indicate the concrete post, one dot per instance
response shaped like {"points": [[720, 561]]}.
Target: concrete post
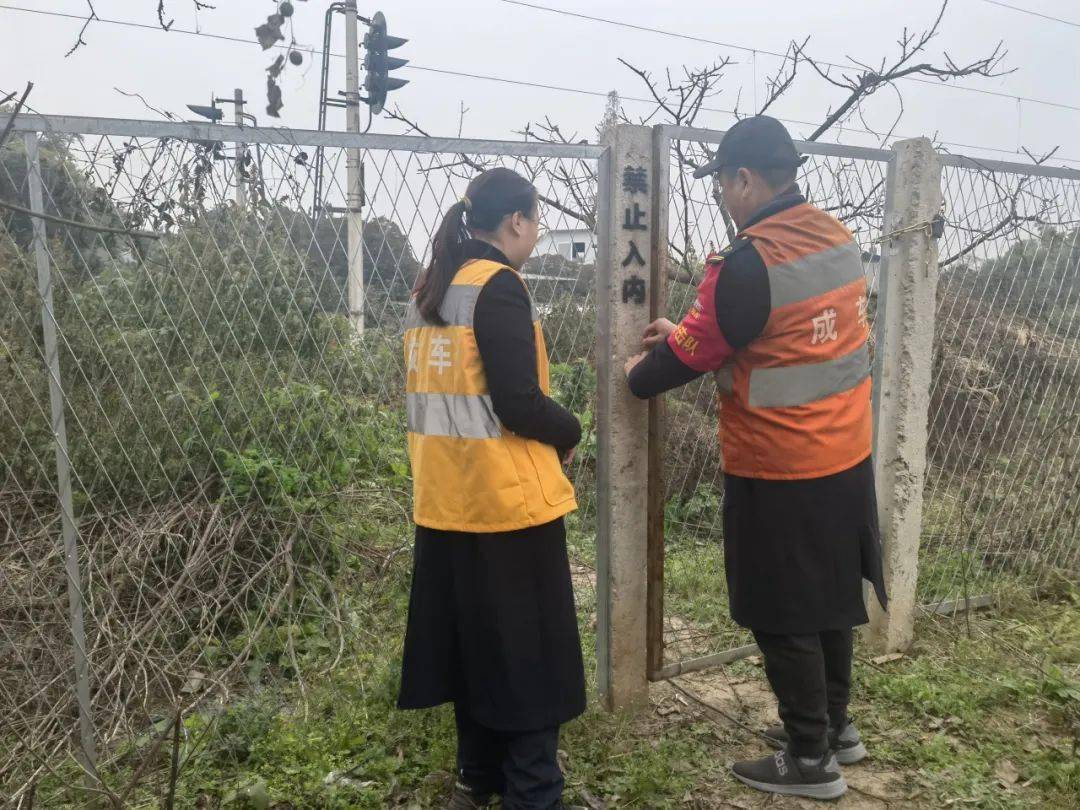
{"points": [[623, 279], [907, 302]]}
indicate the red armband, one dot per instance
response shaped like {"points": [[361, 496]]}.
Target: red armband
{"points": [[697, 341]]}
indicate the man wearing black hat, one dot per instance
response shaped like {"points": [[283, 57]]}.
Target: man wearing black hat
{"points": [[781, 319]]}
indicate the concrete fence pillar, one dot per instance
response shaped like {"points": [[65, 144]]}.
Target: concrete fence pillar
{"points": [[624, 291], [907, 303]]}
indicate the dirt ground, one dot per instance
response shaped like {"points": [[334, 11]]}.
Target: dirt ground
{"points": [[748, 700]]}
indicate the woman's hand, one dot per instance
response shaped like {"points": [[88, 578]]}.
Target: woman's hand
{"points": [[657, 332]]}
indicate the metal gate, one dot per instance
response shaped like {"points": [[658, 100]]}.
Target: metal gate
{"points": [[999, 507]]}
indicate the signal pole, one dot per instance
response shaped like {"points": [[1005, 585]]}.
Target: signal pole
{"points": [[354, 173], [241, 150], [378, 82]]}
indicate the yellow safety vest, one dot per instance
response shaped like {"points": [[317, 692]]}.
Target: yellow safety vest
{"points": [[471, 474]]}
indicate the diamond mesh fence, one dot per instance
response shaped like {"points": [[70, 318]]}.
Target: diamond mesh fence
{"points": [[1004, 452], [239, 485], [239, 481]]}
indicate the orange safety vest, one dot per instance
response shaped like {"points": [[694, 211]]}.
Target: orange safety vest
{"points": [[795, 402], [471, 474]]}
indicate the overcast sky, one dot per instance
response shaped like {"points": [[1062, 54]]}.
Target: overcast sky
{"points": [[497, 38]]}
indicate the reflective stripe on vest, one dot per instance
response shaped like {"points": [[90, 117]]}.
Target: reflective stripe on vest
{"points": [[463, 416], [456, 308], [725, 380], [786, 386], [810, 276]]}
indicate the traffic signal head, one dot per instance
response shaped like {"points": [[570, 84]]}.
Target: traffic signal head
{"points": [[378, 64], [213, 113]]}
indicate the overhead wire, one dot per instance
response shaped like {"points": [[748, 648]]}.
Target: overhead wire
{"points": [[754, 50], [1032, 13], [484, 77]]}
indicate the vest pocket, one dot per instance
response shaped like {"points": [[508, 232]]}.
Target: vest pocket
{"points": [[554, 484]]}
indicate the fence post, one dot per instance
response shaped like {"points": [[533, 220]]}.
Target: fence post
{"points": [[623, 282], [903, 359], [63, 467]]}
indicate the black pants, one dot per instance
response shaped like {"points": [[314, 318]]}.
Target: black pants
{"points": [[810, 675], [521, 766]]}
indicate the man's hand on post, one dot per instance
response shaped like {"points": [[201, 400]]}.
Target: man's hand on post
{"points": [[657, 332]]}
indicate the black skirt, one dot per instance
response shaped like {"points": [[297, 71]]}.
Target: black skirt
{"points": [[796, 552], [493, 628]]}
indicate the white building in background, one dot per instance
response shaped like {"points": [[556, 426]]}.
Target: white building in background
{"points": [[575, 244]]}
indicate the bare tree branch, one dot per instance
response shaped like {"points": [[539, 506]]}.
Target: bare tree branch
{"points": [[661, 103], [859, 86], [868, 206], [781, 81], [71, 223], [682, 101], [164, 113], [1038, 161], [14, 113], [1013, 220], [461, 120], [883, 138], [79, 40], [586, 217], [161, 16], [578, 186]]}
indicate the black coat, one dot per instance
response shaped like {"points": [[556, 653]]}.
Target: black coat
{"points": [[492, 628], [796, 552]]}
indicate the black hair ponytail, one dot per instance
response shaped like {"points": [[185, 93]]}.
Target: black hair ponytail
{"points": [[445, 260], [491, 196]]}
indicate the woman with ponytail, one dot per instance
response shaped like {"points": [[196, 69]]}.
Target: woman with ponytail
{"points": [[492, 626]]}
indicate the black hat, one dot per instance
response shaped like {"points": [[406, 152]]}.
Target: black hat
{"points": [[759, 142]]}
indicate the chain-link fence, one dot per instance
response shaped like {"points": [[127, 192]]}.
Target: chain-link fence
{"points": [[1004, 451], [229, 495], [206, 462]]}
